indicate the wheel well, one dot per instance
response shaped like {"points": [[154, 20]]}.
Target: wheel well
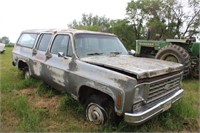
{"points": [[22, 65], [85, 92]]}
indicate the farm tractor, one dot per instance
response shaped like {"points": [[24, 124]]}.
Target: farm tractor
{"points": [[184, 51]]}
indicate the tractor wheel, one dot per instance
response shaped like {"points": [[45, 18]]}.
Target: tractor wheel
{"points": [[175, 53], [195, 69]]}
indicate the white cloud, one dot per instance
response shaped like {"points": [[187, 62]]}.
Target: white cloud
{"points": [[19, 15]]}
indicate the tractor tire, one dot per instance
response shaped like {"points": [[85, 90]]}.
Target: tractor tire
{"points": [[175, 53], [195, 69]]}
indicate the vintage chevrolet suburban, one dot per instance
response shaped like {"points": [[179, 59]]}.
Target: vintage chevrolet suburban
{"points": [[96, 69]]}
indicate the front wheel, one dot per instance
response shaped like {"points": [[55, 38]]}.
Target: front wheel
{"points": [[96, 114], [99, 110]]}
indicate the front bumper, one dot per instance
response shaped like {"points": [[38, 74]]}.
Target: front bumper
{"points": [[142, 116]]}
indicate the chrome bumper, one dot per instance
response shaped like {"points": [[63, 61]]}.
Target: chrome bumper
{"points": [[140, 117]]}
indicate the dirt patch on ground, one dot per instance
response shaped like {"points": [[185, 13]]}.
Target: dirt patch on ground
{"points": [[8, 120], [47, 103], [1, 95], [39, 101], [28, 91]]}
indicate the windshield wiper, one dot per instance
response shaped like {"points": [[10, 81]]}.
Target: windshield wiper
{"points": [[95, 54], [115, 52]]}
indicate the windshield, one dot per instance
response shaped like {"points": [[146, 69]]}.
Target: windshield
{"points": [[96, 44]]}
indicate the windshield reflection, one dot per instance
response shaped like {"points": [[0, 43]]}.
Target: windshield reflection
{"points": [[97, 44]]}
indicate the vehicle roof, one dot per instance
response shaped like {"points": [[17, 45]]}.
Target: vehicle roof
{"points": [[72, 31]]}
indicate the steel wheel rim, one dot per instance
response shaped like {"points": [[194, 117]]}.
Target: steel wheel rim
{"points": [[171, 58], [27, 75], [95, 114]]}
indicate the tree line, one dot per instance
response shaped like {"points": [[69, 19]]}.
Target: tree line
{"points": [[4, 40], [168, 18]]}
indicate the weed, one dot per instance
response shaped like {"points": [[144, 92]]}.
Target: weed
{"points": [[30, 118], [46, 90], [109, 128], [67, 102]]}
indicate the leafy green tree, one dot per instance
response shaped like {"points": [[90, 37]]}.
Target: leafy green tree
{"points": [[166, 17], [125, 32], [121, 28], [140, 12], [4, 40], [91, 22]]}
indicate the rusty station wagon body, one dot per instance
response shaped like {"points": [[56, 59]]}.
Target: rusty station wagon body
{"points": [[96, 69]]}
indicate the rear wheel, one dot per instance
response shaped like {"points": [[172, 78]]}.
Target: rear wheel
{"points": [[27, 74], [175, 53]]}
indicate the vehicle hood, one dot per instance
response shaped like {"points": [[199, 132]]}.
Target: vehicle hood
{"points": [[141, 67]]}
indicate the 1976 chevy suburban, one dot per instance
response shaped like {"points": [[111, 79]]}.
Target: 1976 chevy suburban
{"points": [[96, 69]]}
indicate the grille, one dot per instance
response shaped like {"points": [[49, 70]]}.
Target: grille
{"points": [[163, 87]]}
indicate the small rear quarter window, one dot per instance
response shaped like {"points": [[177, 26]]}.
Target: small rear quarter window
{"points": [[27, 39]]}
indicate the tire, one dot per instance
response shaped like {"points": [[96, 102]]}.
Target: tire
{"points": [[27, 74], [177, 54], [99, 110], [195, 69]]}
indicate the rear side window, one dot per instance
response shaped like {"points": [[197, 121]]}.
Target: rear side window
{"points": [[27, 40], [44, 41]]}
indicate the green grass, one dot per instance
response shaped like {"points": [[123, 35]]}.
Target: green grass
{"points": [[46, 90], [29, 118], [21, 111], [68, 102]]}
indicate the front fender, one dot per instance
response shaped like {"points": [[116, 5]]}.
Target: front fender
{"points": [[114, 84]]}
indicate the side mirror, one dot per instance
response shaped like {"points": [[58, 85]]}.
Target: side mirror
{"points": [[132, 52], [60, 54]]}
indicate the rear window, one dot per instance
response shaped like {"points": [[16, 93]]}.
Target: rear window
{"points": [[27, 40]]}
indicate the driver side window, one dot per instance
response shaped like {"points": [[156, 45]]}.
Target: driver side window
{"points": [[62, 43]]}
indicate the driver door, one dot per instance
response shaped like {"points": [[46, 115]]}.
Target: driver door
{"points": [[57, 66]]}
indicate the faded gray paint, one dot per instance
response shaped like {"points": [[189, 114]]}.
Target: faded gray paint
{"points": [[142, 67], [102, 73]]}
